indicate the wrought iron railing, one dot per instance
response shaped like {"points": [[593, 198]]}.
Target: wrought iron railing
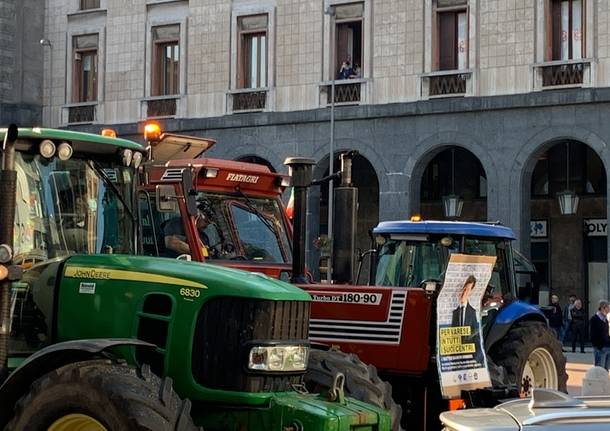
{"points": [[563, 74], [254, 100], [81, 114], [447, 85], [345, 92], [161, 108]]}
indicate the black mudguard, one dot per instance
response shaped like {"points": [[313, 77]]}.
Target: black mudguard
{"points": [[49, 359]]}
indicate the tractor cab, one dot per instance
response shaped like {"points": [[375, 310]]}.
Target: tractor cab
{"points": [[235, 218], [74, 195], [416, 254]]}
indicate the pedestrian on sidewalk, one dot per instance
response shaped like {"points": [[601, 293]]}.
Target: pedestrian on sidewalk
{"points": [[578, 325], [556, 317], [567, 319], [600, 335]]}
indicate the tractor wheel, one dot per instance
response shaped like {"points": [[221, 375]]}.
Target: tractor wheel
{"points": [[532, 357], [101, 395], [361, 380]]}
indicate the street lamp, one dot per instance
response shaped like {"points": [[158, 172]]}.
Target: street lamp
{"points": [[330, 11], [568, 199], [452, 204], [47, 42]]}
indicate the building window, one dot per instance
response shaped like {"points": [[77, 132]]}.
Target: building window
{"points": [[252, 51], [89, 4], [85, 68], [166, 60], [348, 40], [452, 35], [566, 29]]}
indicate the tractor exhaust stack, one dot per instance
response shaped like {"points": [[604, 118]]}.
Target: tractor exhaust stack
{"points": [[300, 170]]}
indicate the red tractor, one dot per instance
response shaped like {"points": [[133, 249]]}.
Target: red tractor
{"points": [[389, 320]]}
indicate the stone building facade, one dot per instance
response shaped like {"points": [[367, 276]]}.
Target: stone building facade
{"points": [[494, 101], [21, 67]]}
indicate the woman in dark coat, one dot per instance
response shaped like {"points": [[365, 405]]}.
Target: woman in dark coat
{"points": [[578, 325]]}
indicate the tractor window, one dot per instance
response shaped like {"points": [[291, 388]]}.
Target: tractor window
{"points": [[64, 207], [407, 264], [499, 288], [257, 236]]}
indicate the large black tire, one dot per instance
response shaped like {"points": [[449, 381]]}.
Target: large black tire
{"points": [[119, 397], [361, 380], [513, 351]]}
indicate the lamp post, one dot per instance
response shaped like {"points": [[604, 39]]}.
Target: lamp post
{"points": [[568, 199], [452, 204], [330, 11], [47, 42]]}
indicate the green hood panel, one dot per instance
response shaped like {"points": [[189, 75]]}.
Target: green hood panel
{"points": [[215, 279]]}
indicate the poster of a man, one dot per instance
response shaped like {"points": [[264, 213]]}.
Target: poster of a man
{"points": [[462, 363]]}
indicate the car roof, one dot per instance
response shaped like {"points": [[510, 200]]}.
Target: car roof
{"points": [[445, 228], [72, 136]]}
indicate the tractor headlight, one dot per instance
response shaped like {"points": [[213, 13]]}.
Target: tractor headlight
{"points": [[278, 358], [137, 159]]}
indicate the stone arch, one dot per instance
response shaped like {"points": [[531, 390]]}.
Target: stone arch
{"points": [[521, 176], [253, 158], [523, 167], [368, 211], [429, 147], [273, 158]]}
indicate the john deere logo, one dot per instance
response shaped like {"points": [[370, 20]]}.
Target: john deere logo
{"points": [[91, 273]]}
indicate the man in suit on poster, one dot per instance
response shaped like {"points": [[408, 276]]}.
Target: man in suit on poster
{"points": [[465, 315]]}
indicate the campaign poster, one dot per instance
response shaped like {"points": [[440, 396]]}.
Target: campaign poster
{"points": [[462, 364]]}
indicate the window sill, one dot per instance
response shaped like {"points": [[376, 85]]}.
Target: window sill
{"points": [[247, 90], [83, 12], [164, 97], [79, 104], [447, 73], [153, 2]]}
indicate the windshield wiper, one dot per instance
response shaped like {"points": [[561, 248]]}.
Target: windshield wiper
{"points": [[255, 210], [100, 171]]}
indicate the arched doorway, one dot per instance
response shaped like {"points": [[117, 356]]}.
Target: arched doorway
{"points": [[454, 171], [365, 179], [257, 160], [569, 250]]}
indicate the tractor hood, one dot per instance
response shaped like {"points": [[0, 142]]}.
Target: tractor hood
{"points": [[216, 279]]}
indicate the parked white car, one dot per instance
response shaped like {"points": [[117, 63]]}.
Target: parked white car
{"points": [[546, 410]]}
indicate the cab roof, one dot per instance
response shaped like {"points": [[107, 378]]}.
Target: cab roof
{"points": [[72, 136], [445, 228]]}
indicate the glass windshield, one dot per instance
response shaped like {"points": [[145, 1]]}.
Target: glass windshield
{"points": [[498, 288], [404, 263], [65, 207], [245, 228], [229, 227]]}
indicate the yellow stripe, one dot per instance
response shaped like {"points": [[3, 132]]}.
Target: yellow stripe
{"points": [[117, 274]]}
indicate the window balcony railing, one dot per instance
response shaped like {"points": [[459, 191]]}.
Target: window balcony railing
{"points": [[80, 113], [562, 74], [249, 99], [161, 106], [347, 91], [447, 83]]}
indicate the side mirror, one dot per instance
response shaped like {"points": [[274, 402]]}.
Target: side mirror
{"points": [[189, 193], [166, 198]]}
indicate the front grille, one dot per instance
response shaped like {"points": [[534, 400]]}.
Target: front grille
{"points": [[224, 327]]}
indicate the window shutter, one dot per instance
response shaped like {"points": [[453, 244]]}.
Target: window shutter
{"points": [[447, 41]]}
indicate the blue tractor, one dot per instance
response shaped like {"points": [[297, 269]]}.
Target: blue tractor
{"points": [[521, 348]]}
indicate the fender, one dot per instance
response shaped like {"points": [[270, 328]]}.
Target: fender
{"points": [[49, 359], [507, 317]]}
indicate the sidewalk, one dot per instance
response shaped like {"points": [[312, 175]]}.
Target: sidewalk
{"points": [[578, 364]]}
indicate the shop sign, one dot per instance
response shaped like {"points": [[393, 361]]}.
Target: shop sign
{"points": [[596, 227], [538, 229]]}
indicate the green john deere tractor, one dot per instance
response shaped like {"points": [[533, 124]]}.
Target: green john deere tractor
{"points": [[94, 338]]}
